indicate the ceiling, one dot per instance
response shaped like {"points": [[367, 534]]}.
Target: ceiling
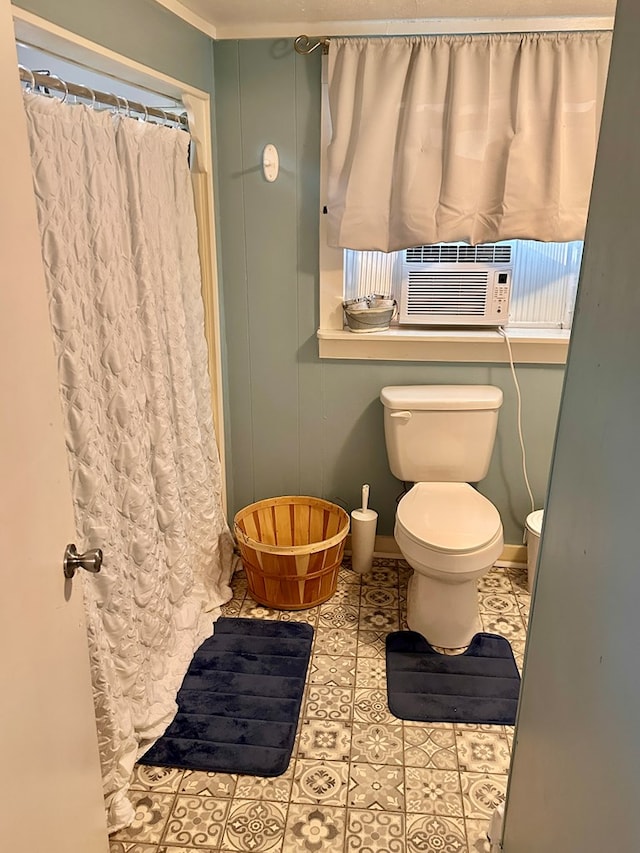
{"points": [[273, 18]]}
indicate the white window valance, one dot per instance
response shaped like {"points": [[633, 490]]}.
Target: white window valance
{"points": [[475, 138]]}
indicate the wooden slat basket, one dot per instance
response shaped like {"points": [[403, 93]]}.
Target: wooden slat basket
{"points": [[291, 549]]}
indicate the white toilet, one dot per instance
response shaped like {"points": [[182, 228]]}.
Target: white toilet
{"points": [[440, 437]]}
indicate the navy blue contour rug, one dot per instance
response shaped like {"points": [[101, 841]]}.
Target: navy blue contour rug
{"points": [[481, 685], [240, 699]]}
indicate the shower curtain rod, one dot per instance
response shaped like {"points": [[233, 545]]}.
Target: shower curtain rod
{"points": [[51, 81]]}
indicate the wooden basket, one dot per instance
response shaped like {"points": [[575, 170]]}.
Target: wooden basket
{"points": [[291, 549]]}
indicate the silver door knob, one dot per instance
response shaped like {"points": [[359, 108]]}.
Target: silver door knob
{"points": [[91, 560]]}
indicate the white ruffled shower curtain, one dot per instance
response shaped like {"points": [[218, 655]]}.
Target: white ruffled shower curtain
{"points": [[116, 214]]}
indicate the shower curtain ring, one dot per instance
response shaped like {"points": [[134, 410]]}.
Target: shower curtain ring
{"points": [[91, 94], [126, 102], [115, 108], [146, 112], [31, 82], [63, 84]]}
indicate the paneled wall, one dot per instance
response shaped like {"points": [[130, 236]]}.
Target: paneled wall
{"points": [[296, 424]]}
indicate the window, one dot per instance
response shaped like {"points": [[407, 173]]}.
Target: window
{"points": [[544, 279], [543, 276]]}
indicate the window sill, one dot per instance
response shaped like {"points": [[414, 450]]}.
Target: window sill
{"points": [[530, 346]]}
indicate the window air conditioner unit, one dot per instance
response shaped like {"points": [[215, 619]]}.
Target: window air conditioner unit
{"points": [[448, 284]]}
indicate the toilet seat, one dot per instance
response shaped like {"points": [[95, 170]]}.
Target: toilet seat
{"points": [[448, 518]]}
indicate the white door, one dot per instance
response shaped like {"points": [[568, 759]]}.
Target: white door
{"points": [[50, 786]]}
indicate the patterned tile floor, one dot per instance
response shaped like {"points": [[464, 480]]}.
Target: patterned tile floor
{"points": [[360, 780]]}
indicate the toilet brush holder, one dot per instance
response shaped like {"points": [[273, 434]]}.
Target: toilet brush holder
{"points": [[364, 523]]}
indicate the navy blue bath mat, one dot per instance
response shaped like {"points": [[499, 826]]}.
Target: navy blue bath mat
{"points": [[239, 702], [479, 686]]}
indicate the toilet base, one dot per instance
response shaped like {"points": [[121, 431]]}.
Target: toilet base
{"points": [[446, 614]]}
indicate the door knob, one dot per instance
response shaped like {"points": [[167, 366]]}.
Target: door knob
{"points": [[91, 560]]}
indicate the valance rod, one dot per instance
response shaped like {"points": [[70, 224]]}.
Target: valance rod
{"points": [[45, 80], [457, 26], [304, 47]]}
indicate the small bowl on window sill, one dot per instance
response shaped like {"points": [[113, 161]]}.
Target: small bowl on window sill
{"points": [[369, 313]]}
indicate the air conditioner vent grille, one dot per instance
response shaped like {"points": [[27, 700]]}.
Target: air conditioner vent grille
{"points": [[447, 253], [443, 293]]}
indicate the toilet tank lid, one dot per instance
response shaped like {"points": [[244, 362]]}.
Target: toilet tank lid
{"points": [[441, 397]]}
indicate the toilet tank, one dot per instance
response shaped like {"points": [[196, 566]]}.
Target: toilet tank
{"points": [[440, 433]]}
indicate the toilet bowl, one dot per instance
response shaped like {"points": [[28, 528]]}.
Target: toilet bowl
{"points": [[447, 556], [441, 437]]}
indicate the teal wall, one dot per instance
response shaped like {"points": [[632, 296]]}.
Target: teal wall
{"points": [[296, 424]]}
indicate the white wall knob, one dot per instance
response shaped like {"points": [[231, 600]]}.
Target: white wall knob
{"points": [[270, 162]]}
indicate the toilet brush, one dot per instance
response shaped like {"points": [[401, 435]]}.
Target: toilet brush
{"points": [[363, 534]]}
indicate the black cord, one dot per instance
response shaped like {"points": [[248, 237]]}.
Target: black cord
{"points": [[406, 487]]}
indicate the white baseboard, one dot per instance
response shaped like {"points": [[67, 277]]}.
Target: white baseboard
{"points": [[386, 546]]}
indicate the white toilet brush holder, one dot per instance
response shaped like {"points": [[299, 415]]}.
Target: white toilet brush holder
{"points": [[364, 523]]}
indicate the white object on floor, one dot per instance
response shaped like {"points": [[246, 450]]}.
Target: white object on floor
{"points": [[533, 531], [441, 438], [364, 522], [494, 833]]}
